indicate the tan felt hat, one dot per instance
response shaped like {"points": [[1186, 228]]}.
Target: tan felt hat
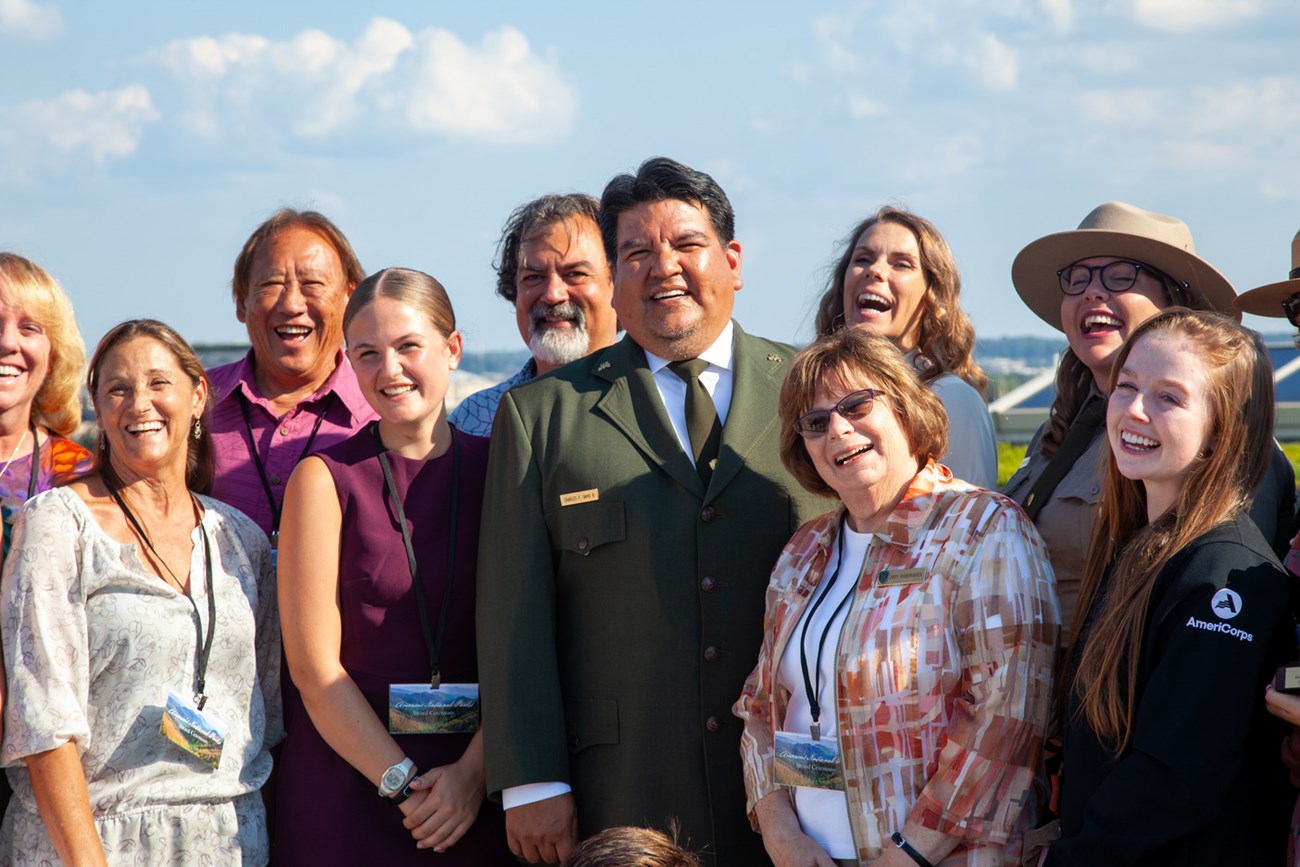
{"points": [[1128, 232], [1267, 300]]}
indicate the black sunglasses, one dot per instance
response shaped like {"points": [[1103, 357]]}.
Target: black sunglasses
{"points": [[1291, 307], [851, 407]]}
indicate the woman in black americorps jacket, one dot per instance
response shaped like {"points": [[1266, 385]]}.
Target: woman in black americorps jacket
{"points": [[1169, 757]]}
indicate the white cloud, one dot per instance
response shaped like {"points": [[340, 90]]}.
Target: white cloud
{"points": [[1182, 16], [29, 19], [74, 127], [1060, 14], [993, 62], [314, 86]]}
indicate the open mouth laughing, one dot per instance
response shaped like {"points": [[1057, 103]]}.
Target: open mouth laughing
{"points": [[874, 302], [1137, 442], [1100, 323], [841, 460]]}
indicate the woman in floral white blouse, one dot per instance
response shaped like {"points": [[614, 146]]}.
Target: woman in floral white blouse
{"points": [[140, 638], [897, 711]]}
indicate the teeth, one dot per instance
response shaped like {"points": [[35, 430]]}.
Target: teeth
{"points": [[1101, 320], [870, 300], [142, 427], [672, 293], [395, 390], [9, 370], [1132, 439], [843, 459], [292, 330]]}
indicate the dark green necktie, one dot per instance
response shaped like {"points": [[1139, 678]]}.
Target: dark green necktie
{"points": [[701, 416]]}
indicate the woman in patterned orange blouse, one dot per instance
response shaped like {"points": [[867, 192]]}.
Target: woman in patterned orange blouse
{"points": [[897, 711]]}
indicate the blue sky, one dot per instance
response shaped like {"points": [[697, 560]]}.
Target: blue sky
{"points": [[140, 142]]}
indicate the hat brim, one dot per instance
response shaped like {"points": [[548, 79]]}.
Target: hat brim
{"points": [[1033, 272], [1267, 300]]}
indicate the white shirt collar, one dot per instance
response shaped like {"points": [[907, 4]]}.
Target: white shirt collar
{"points": [[718, 354]]}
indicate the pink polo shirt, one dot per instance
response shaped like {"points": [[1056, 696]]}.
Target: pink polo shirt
{"points": [[338, 404]]}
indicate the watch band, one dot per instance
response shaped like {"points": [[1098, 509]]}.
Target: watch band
{"points": [[901, 842], [405, 792]]}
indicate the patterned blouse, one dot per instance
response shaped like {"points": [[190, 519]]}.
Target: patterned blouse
{"points": [[93, 642], [943, 686]]}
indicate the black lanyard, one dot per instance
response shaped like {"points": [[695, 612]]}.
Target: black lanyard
{"points": [[204, 646], [431, 641], [811, 689], [326, 406], [36, 459]]}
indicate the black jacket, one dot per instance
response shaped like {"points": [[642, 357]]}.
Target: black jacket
{"points": [[1201, 781]]}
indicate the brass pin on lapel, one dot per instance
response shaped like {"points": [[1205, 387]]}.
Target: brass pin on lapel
{"points": [[604, 365], [772, 356]]}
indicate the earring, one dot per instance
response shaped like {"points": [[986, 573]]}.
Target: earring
{"points": [[198, 430], [102, 443]]}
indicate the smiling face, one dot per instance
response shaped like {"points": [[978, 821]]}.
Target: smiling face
{"points": [[1159, 416], [294, 310], [402, 361], [885, 286], [675, 282], [146, 406], [24, 358], [867, 461], [1098, 321], [563, 300]]}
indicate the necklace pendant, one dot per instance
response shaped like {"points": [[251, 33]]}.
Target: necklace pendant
{"points": [[815, 730]]}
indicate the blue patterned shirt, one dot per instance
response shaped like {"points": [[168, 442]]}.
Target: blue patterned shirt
{"points": [[475, 413]]}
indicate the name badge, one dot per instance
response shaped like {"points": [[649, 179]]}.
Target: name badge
{"points": [[194, 731], [587, 496], [802, 761], [419, 709], [899, 577]]}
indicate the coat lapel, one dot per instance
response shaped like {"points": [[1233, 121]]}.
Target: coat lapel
{"points": [[633, 405], [753, 412]]}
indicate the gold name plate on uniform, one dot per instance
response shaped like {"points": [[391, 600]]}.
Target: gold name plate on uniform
{"points": [[580, 497]]}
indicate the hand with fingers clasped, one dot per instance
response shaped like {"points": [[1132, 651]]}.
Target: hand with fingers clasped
{"points": [[444, 803]]}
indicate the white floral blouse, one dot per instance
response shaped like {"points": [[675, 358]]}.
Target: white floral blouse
{"points": [[93, 642]]}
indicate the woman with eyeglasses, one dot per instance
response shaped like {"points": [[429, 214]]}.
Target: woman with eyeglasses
{"points": [[897, 711], [1096, 284]]}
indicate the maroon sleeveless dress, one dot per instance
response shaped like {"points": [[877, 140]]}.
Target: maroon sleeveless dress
{"points": [[326, 811]]}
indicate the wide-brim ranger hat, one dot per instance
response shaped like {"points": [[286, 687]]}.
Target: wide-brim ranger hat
{"points": [[1267, 300], [1127, 232]]}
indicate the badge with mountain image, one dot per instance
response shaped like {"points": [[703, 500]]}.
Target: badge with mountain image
{"points": [[802, 761], [419, 709]]}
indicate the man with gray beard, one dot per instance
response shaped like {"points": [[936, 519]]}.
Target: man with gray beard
{"points": [[551, 265]]}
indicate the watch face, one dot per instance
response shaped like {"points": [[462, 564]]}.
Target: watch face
{"points": [[393, 778]]}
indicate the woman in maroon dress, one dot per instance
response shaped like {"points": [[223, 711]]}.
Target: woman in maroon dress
{"points": [[378, 546]]}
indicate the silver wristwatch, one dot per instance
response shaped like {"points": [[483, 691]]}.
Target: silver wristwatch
{"points": [[396, 778]]}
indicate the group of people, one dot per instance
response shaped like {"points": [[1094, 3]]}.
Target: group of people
{"points": [[686, 579]]}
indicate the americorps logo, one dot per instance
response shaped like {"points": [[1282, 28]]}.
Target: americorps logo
{"points": [[1226, 604]]}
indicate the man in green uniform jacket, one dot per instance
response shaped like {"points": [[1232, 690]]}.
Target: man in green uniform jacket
{"points": [[620, 593]]}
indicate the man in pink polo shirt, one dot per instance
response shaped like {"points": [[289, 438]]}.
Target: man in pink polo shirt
{"points": [[294, 392]]}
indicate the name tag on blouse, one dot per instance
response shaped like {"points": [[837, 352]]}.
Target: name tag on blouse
{"points": [[802, 761], [419, 709], [194, 731], [899, 577]]}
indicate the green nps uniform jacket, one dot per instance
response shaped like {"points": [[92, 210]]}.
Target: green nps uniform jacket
{"points": [[620, 604]]}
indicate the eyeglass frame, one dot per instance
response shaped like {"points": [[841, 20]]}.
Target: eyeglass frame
{"points": [[838, 409], [1175, 289], [1291, 309]]}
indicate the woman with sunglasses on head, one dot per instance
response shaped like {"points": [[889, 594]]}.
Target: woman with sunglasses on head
{"points": [[1122, 266], [1169, 756], [897, 278], [897, 711]]}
